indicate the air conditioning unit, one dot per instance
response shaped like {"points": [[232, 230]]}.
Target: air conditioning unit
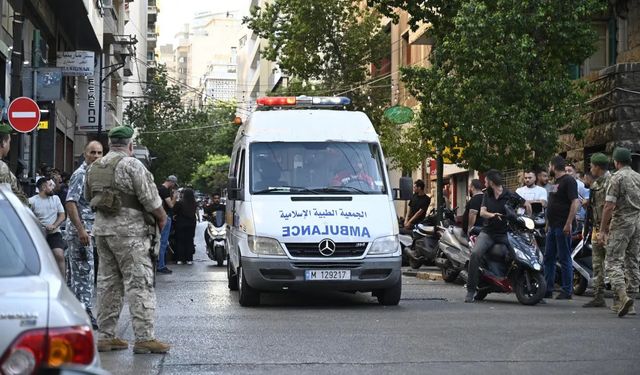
{"points": [[106, 4]]}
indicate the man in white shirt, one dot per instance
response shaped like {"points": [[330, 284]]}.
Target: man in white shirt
{"points": [[531, 192], [50, 212]]}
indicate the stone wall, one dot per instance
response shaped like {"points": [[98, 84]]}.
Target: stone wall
{"points": [[632, 49], [615, 119]]}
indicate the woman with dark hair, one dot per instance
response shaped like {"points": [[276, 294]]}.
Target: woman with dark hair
{"points": [[186, 215], [495, 228]]}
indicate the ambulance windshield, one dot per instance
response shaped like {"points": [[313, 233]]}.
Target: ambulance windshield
{"points": [[316, 168]]}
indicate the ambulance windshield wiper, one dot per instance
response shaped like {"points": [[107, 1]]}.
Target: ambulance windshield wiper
{"points": [[341, 189], [286, 189]]}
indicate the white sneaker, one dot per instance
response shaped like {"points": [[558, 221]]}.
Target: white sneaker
{"points": [[178, 262], [189, 262]]}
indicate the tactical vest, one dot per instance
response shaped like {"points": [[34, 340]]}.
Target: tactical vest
{"points": [[105, 197]]}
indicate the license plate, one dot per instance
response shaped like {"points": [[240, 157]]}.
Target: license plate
{"points": [[327, 275]]}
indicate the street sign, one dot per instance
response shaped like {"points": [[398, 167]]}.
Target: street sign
{"points": [[24, 114]]}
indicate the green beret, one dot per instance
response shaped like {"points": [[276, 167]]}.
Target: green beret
{"points": [[622, 154], [121, 132], [599, 159], [5, 129]]}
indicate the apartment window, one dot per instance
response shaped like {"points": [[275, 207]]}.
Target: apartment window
{"points": [[182, 59], [598, 60]]}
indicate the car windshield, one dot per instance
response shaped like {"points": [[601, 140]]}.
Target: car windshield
{"points": [[316, 168], [18, 254]]}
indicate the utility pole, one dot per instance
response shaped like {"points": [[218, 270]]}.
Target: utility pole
{"points": [[17, 51], [16, 76], [440, 184]]}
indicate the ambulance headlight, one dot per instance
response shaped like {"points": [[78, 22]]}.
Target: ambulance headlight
{"points": [[385, 245], [265, 246]]}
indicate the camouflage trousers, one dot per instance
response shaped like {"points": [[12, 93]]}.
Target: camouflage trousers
{"points": [[125, 269], [598, 259], [80, 272], [622, 255]]}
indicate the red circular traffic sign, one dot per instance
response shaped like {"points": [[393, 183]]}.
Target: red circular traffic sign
{"points": [[24, 114]]}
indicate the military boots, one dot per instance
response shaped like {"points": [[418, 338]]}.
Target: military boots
{"points": [[597, 301], [616, 304], [151, 346], [625, 303], [632, 310]]}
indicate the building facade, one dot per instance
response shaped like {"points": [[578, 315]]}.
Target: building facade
{"points": [[614, 72]]}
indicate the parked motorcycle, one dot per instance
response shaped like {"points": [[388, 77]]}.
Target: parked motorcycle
{"points": [[517, 268], [425, 238], [454, 252], [405, 242], [215, 238]]}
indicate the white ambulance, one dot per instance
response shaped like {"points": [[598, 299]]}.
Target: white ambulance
{"points": [[309, 203]]}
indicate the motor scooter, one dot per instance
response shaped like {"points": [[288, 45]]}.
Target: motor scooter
{"points": [[425, 236], [454, 252], [515, 268], [215, 238]]}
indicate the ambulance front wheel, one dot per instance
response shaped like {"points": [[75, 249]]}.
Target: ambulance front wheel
{"points": [[390, 296]]}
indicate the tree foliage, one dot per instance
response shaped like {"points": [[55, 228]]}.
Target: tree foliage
{"points": [[179, 138], [211, 175], [328, 48], [498, 89]]}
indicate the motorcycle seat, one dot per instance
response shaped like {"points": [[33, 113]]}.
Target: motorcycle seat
{"points": [[426, 230], [460, 236], [497, 253]]}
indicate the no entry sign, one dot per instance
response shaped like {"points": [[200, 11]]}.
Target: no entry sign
{"points": [[24, 114]]}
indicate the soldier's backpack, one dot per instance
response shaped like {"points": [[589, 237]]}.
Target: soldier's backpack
{"points": [[101, 182], [105, 197]]}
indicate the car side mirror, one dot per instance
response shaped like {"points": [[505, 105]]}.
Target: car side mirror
{"points": [[233, 191], [406, 188]]}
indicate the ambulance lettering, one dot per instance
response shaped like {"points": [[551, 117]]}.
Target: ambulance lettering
{"points": [[324, 230]]}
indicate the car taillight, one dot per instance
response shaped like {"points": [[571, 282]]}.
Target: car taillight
{"points": [[70, 345], [48, 347]]}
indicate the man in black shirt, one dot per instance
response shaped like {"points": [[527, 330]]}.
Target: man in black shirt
{"points": [[471, 216], [169, 197], [494, 231], [418, 205], [213, 206], [561, 211]]}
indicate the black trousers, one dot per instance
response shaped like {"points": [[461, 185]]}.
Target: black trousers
{"points": [[184, 235], [484, 243]]}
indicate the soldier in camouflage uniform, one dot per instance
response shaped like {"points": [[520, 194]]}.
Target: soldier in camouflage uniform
{"points": [[80, 217], [599, 163], [6, 176], [620, 230], [125, 267]]}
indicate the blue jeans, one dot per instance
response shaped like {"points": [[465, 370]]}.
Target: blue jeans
{"points": [[164, 241], [557, 248]]}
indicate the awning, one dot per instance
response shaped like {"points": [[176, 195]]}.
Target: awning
{"points": [[75, 20]]}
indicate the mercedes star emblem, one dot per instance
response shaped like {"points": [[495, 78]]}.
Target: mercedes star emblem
{"points": [[327, 247]]}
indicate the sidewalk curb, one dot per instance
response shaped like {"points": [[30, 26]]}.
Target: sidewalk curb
{"points": [[433, 276]]}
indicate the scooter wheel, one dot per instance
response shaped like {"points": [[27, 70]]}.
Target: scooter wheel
{"points": [[481, 295], [415, 264], [533, 292], [449, 274], [580, 283]]}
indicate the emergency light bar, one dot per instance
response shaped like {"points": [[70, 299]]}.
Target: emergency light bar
{"points": [[303, 101]]}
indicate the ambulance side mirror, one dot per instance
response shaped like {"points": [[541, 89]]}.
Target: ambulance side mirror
{"points": [[234, 192], [406, 188]]}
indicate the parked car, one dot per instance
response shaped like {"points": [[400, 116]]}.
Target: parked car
{"points": [[42, 324]]}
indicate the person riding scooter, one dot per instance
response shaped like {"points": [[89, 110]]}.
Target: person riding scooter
{"points": [[495, 230]]}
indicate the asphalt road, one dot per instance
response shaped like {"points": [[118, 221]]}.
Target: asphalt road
{"points": [[431, 331]]}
